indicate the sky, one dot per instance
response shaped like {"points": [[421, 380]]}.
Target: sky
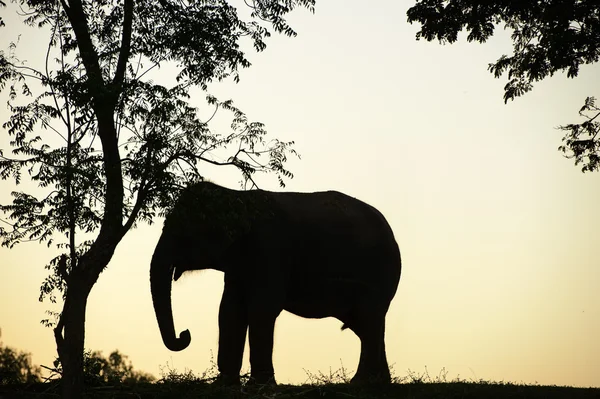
{"points": [[497, 230]]}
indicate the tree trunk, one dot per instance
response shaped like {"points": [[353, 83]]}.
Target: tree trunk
{"points": [[70, 331], [71, 346]]}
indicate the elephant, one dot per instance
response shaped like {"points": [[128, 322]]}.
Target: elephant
{"points": [[315, 255]]}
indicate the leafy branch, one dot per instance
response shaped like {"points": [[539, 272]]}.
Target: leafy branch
{"points": [[581, 142]]}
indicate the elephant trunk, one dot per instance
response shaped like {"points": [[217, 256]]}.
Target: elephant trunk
{"points": [[161, 275]]}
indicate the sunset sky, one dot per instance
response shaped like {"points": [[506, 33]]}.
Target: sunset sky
{"points": [[498, 232]]}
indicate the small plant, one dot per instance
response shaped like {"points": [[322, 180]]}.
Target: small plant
{"points": [[171, 375], [413, 377], [339, 376]]}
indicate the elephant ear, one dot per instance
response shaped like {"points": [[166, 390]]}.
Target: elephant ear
{"points": [[216, 213], [219, 214]]}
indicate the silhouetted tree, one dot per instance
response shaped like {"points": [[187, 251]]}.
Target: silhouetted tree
{"points": [[107, 146], [16, 367], [548, 36]]}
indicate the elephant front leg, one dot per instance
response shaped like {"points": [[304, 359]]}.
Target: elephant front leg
{"points": [[261, 332], [233, 324]]}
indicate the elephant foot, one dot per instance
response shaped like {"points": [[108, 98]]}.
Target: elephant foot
{"points": [[227, 380]]}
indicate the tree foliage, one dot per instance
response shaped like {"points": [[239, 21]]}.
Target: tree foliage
{"points": [[161, 138], [581, 141], [548, 36], [16, 367], [114, 370]]}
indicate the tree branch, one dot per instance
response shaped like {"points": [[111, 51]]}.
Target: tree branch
{"points": [[78, 20], [125, 44], [103, 104], [142, 192], [137, 207], [62, 60]]}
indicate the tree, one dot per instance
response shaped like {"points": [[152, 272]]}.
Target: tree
{"points": [[107, 146], [16, 367], [547, 35]]}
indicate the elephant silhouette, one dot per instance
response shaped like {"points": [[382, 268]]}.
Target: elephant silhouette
{"points": [[316, 255]]}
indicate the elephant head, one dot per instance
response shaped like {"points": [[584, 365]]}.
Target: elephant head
{"points": [[197, 234]]}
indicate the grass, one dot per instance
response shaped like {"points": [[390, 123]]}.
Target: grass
{"points": [[319, 385]]}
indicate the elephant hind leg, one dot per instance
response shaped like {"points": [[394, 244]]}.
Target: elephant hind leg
{"points": [[369, 326]]}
